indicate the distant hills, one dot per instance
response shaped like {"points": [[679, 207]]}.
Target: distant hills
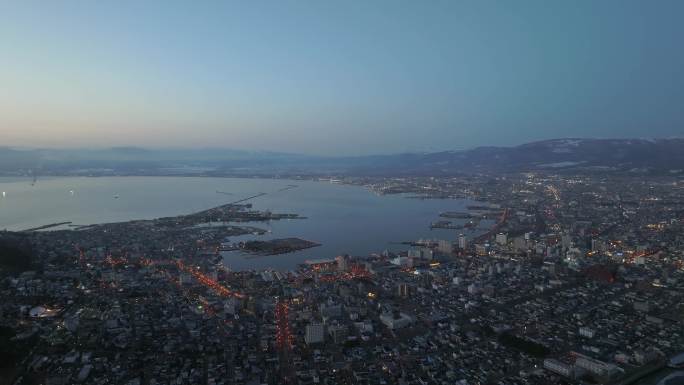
{"points": [[664, 156], [573, 154], [135, 160]]}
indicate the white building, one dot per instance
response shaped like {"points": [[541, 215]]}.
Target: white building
{"points": [[401, 261], [338, 333], [445, 247], [566, 241], [421, 253], [315, 333], [558, 367], [586, 332], [342, 262], [643, 357], [501, 238], [396, 320], [462, 241], [473, 288], [595, 367]]}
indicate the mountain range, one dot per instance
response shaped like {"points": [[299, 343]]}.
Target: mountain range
{"points": [[664, 156]]}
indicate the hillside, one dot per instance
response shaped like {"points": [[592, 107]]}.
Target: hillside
{"points": [[663, 156]]}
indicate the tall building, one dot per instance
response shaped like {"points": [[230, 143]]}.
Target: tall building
{"points": [[342, 262], [402, 261], [403, 290], [501, 238], [315, 333], [519, 244], [329, 310], [462, 242], [421, 253], [445, 247], [566, 241], [338, 333]]}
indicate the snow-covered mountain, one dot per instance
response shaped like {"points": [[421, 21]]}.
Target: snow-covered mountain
{"points": [[663, 156]]}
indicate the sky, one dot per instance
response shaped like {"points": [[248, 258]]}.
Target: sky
{"points": [[338, 77]]}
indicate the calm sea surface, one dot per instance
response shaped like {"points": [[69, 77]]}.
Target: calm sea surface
{"points": [[344, 219]]}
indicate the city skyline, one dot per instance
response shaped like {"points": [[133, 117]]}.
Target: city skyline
{"points": [[350, 79], [341, 192]]}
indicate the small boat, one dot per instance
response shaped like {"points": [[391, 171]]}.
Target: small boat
{"points": [[116, 196]]}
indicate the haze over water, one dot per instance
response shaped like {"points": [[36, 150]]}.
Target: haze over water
{"points": [[344, 219]]}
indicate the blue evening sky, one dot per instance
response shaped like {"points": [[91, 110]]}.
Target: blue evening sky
{"points": [[338, 77]]}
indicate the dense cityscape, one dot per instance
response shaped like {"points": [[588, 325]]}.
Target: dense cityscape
{"points": [[353, 192], [577, 279]]}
